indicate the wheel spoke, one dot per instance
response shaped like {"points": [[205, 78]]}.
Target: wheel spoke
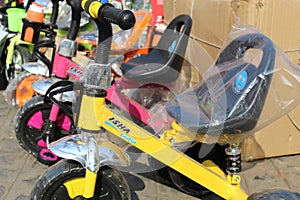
{"points": [[64, 122], [61, 194], [33, 134], [33, 131], [36, 120], [74, 187], [45, 114]]}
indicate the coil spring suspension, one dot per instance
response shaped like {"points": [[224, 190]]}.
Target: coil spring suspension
{"points": [[234, 161]]}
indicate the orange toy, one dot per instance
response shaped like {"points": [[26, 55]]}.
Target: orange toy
{"points": [[143, 19], [33, 23], [35, 13]]}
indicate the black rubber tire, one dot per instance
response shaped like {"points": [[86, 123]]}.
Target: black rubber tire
{"points": [[28, 136], [26, 57], [24, 51], [217, 155], [50, 186], [275, 195], [3, 80]]}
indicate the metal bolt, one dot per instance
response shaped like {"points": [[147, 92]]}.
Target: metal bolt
{"points": [[172, 140]]}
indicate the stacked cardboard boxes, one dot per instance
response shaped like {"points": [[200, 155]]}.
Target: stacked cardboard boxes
{"points": [[278, 19]]}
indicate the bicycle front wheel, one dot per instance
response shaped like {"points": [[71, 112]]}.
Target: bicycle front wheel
{"points": [[64, 181]]}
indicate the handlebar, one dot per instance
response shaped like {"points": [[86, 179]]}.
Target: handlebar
{"points": [[104, 15], [124, 18], [106, 12], [75, 18], [54, 14], [28, 4]]}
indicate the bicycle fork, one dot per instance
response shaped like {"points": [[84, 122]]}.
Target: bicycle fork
{"points": [[89, 148], [49, 134]]}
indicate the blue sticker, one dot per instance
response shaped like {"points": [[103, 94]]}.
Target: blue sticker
{"points": [[129, 139], [241, 81], [111, 125], [172, 46]]}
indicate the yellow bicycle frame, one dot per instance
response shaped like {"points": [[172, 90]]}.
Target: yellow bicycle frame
{"points": [[206, 174]]}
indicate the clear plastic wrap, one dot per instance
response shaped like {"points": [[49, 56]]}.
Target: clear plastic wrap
{"points": [[176, 80], [166, 71], [97, 76], [19, 90], [64, 17], [9, 92], [251, 84]]}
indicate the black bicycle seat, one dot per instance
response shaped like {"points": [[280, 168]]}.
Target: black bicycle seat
{"points": [[164, 62], [245, 88]]}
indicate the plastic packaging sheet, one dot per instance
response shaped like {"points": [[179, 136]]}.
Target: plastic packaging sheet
{"points": [[10, 91], [97, 76], [251, 84], [64, 17], [122, 40], [19, 89]]}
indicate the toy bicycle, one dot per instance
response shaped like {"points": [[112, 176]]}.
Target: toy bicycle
{"points": [[20, 89], [40, 121], [225, 107], [123, 41], [13, 50], [34, 112]]}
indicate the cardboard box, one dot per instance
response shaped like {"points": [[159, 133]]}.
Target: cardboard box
{"points": [[278, 19], [213, 21], [280, 138]]}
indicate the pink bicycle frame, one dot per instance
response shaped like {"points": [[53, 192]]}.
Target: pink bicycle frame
{"points": [[135, 109], [64, 67]]}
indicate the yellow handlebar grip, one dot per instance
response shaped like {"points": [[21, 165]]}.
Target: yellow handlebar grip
{"points": [[93, 8], [83, 3]]}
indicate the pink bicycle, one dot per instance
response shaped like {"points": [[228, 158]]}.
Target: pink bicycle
{"points": [[44, 119], [31, 119]]}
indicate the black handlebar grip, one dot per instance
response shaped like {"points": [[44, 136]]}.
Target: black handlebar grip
{"points": [[54, 13], [124, 18], [28, 4], [75, 18]]}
